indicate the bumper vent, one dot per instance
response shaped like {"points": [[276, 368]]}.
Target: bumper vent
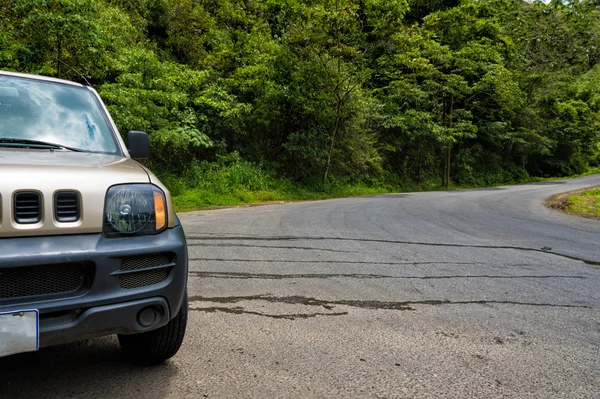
{"points": [[143, 279], [29, 281], [143, 262], [145, 270], [66, 207], [27, 208]]}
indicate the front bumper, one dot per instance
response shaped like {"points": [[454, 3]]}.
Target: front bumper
{"points": [[103, 304]]}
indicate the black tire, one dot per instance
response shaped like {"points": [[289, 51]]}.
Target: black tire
{"points": [[156, 346]]}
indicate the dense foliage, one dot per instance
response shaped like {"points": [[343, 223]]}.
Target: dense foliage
{"points": [[359, 91]]}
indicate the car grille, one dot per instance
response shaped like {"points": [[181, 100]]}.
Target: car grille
{"points": [[143, 279], [28, 208], [29, 281], [66, 207], [159, 266], [143, 262]]}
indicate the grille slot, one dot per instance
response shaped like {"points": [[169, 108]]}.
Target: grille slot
{"points": [[142, 262], [66, 207], [138, 277], [143, 278], [27, 208], [19, 282]]}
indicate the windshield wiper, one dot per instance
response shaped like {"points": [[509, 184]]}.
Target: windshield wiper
{"points": [[26, 143]]}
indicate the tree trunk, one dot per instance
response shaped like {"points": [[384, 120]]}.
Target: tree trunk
{"points": [[444, 165], [333, 134], [338, 105], [449, 147], [420, 166], [58, 56], [447, 179]]}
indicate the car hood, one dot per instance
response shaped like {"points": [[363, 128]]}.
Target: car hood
{"points": [[46, 172]]}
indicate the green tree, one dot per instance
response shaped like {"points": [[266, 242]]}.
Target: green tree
{"points": [[328, 91]]}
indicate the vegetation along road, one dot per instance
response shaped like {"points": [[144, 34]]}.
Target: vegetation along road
{"points": [[481, 293], [249, 100]]}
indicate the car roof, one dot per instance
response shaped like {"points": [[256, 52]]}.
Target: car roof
{"points": [[39, 77]]}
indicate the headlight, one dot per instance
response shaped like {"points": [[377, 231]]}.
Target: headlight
{"points": [[134, 210]]}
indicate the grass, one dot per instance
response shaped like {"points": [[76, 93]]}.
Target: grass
{"points": [[592, 171], [232, 181], [585, 203], [211, 197]]}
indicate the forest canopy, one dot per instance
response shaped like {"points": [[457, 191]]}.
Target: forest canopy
{"points": [[329, 91]]}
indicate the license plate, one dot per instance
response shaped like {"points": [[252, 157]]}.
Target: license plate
{"points": [[19, 332]]}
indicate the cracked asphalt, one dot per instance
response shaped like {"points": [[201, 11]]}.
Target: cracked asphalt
{"points": [[479, 293]]}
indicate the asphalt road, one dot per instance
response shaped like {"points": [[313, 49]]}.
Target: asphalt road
{"points": [[481, 293]]}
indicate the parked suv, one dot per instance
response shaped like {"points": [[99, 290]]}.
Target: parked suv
{"points": [[89, 242]]}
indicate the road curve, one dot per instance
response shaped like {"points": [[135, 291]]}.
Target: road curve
{"points": [[475, 293]]}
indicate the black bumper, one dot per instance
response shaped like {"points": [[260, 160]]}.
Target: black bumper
{"points": [[110, 296]]}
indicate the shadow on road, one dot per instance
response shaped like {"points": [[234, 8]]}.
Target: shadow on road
{"points": [[491, 189], [80, 370], [391, 196], [549, 183]]}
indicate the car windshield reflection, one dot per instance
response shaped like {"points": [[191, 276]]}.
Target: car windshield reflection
{"points": [[67, 115]]}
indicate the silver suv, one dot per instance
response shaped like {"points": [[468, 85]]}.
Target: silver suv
{"points": [[89, 242]]}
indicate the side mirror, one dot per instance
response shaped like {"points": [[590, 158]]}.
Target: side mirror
{"points": [[138, 144]]}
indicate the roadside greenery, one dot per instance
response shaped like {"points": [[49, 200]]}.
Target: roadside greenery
{"points": [[255, 100], [231, 180], [584, 203]]}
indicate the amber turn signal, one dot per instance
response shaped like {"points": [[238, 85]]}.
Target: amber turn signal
{"points": [[159, 210]]}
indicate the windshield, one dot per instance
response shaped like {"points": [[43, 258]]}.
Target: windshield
{"points": [[56, 113]]}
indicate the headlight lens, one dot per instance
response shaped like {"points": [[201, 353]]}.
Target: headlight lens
{"points": [[134, 210]]}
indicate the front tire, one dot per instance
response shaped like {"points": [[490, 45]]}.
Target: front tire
{"points": [[156, 346]]}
